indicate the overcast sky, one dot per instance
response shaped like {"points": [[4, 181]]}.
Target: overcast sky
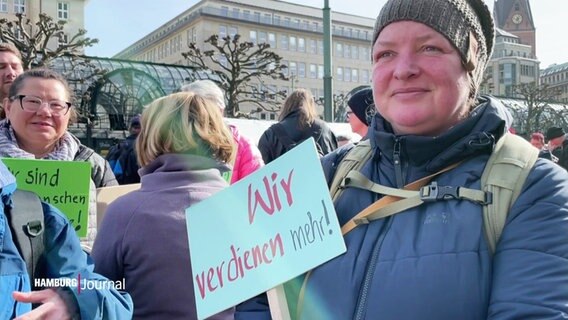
{"points": [[119, 23]]}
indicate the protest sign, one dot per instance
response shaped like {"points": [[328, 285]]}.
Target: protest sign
{"points": [[64, 184], [264, 230]]}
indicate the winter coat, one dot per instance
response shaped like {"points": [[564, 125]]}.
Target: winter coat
{"points": [[432, 262], [271, 146], [143, 236], [63, 259], [248, 158]]}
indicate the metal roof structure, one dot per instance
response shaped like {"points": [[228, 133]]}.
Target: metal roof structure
{"points": [[112, 91]]}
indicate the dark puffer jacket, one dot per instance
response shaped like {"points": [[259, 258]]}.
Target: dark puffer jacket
{"points": [[432, 261], [271, 146]]}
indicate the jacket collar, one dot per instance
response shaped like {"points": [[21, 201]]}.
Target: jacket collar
{"points": [[476, 134]]}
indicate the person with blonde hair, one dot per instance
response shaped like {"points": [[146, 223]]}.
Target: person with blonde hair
{"points": [[183, 149], [248, 158], [298, 121]]}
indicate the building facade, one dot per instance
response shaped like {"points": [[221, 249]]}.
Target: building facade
{"points": [[294, 32], [515, 16], [71, 11], [511, 64], [556, 78], [514, 60]]}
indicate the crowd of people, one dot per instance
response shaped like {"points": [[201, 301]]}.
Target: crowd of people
{"points": [[423, 123]]}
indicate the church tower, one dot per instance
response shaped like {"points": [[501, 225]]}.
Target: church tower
{"points": [[515, 16]]}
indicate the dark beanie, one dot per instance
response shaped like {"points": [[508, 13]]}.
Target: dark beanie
{"points": [[454, 19], [361, 103], [554, 132]]}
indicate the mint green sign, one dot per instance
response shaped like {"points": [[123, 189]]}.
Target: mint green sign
{"points": [[64, 184], [264, 230]]}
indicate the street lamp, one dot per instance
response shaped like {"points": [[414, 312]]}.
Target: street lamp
{"points": [[327, 77]]}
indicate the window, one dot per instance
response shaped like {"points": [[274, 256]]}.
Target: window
{"points": [[284, 42], [276, 20], [313, 46], [222, 31], [267, 18], [339, 49], [354, 52], [285, 71], [272, 39], [320, 47], [272, 116], [246, 14], [320, 71], [63, 40], [3, 5], [347, 74], [236, 12], [224, 11], [354, 75], [339, 74], [287, 21], [256, 16], [301, 44], [252, 36], [63, 10], [301, 69], [293, 68], [315, 26], [19, 6], [365, 76], [293, 43], [347, 51], [313, 71], [233, 31], [262, 37]]}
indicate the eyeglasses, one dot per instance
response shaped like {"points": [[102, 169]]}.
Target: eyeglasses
{"points": [[33, 104]]}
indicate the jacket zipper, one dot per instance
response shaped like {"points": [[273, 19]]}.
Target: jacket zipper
{"points": [[397, 164], [370, 271]]}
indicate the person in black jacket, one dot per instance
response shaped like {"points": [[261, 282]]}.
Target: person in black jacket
{"points": [[298, 121]]}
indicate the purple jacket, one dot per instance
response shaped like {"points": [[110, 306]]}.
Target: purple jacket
{"points": [[143, 236]]}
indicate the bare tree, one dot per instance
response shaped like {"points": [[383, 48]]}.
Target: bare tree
{"points": [[240, 68], [537, 113], [36, 40]]}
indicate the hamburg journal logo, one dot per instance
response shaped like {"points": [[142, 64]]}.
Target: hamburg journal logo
{"points": [[80, 283]]}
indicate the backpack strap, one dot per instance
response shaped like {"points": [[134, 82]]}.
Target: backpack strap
{"points": [[27, 224], [352, 161], [504, 176]]}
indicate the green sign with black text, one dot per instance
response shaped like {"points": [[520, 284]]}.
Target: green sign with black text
{"points": [[64, 184]]}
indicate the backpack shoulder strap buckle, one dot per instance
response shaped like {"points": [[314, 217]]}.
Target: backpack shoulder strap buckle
{"points": [[433, 192], [34, 228]]}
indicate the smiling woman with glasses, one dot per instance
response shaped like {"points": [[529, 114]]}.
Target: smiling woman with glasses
{"points": [[38, 114]]}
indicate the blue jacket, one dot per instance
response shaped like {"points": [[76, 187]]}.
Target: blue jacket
{"points": [[432, 261], [64, 258]]}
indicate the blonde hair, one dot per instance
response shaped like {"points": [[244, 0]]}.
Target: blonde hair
{"points": [[302, 101], [184, 123]]}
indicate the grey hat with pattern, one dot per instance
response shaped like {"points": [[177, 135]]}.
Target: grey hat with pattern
{"points": [[455, 19]]}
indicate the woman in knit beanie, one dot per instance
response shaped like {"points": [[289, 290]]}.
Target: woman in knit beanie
{"points": [[433, 260]]}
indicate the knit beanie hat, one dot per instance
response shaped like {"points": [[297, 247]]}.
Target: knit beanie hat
{"points": [[362, 105], [454, 19], [554, 132]]}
